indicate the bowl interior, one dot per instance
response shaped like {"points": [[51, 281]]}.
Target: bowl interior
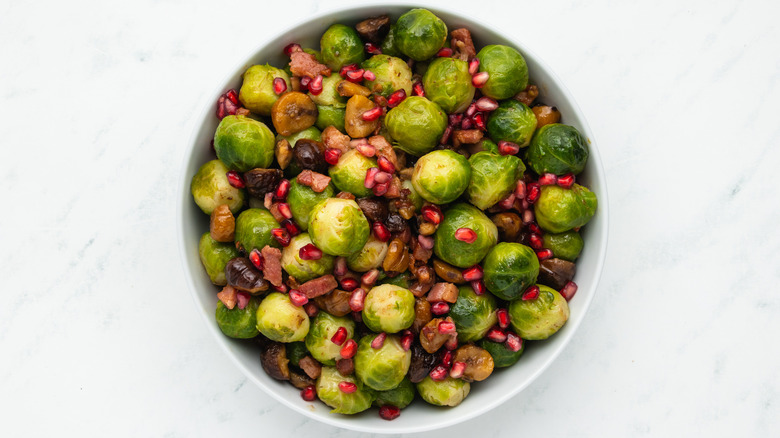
{"points": [[504, 383]]}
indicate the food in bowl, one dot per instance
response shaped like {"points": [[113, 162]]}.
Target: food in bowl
{"points": [[392, 215]]}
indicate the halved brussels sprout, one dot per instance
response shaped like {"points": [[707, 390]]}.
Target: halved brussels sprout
{"points": [[502, 356], [507, 68], [388, 308], [338, 227], [210, 188], [331, 116], [342, 403], [302, 200], [447, 392], [392, 74], [541, 317], [280, 320], [329, 96], [304, 270], [318, 341], [558, 149], [257, 91], [473, 314], [370, 257], [448, 83], [253, 229], [400, 396], [238, 323], [419, 34], [567, 245], [341, 45], [243, 144], [349, 174], [512, 121], [296, 351], [383, 368], [493, 178], [459, 253], [215, 256], [416, 125], [558, 209], [441, 176], [509, 268]]}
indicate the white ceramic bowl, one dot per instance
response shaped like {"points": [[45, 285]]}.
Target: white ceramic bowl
{"points": [[484, 396]]}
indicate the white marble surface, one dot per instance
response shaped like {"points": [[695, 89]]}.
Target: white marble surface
{"points": [[99, 336]]}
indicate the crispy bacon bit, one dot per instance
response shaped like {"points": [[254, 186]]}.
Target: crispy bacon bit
{"points": [[305, 64], [443, 292], [332, 138], [272, 265], [317, 181], [319, 286], [462, 44], [466, 136], [384, 149], [228, 296], [528, 95], [394, 189]]}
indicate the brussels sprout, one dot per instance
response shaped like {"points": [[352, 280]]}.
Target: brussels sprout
{"points": [[512, 121], [441, 176], [539, 318], [368, 258], [280, 320], [566, 245], [507, 68], [388, 44], [341, 45], [400, 396], [210, 188], [383, 368], [415, 197], [338, 227], [509, 268], [349, 174], [304, 270], [459, 253], [416, 125], [214, 256], [448, 83], [316, 53], [502, 356], [330, 116], [310, 133], [243, 143], [342, 403], [401, 280], [257, 91], [318, 341], [558, 149], [447, 392], [558, 209], [493, 178], [329, 95], [489, 145], [253, 229], [392, 74], [473, 314], [302, 200], [296, 351], [238, 323], [388, 308], [419, 34]]}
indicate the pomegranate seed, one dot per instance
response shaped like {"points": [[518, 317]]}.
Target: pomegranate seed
{"points": [[536, 241], [445, 137], [446, 358], [425, 241], [368, 75], [371, 115], [508, 202], [347, 387], [478, 286], [305, 81], [297, 298], [388, 412], [503, 318], [534, 191], [566, 181], [479, 121], [386, 165], [467, 123], [406, 339], [347, 68], [446, 327], [281, 288], [291, 227], [473, 273], [340, 267], [357, 299], [369, 278], [370, 182], [280, 86], [243, 299], [417, 89], [383, 177], [534, 228], [531, 293], [292, 48], [381, 188], [354, 75], [315, 86], [513, 342], [309, 252], [284, 210], [471, 110], [397, 97], [508, 148], [235, 179], [486, 104], [466, 235], [444, 52], [473, 66], [440, 308], [457, 370], [454, 119], [569, 289], [332, 156], [349, 284], [282, 190], [479, 79], [380, 231], [432, 214], [311, 309], [520, 190], [544, 254], [281, 235], [495, 334], [349, 349], [340, 336], [372, 49], [309, 393], [528, 217], [439, 373], [379, 341], [256, 259], [548, 179], [452, 343]]}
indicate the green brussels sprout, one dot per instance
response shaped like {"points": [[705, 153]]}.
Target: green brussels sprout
{"points": [[253, 229], [280, 320], [329, 95], [304, 270], [342, 403], [566, 245], [415, 197], [243, 143], [447, 392], [509, 268], [341, 45], [338, 227], [322, 330], [210, 188], [489, 145], [493, 178], [401, 280], [448, 83], [512, 121], [507, 68], [349, 174], [238, 323], [400, 396], [459, 253], [257, 91], [473, 314], [419, 34], [388, 44], [331, 116], [296, 351], [539, 318], [392, 74], [502, 356], [558, 149], [383, 368], [370, 257], [558, 209], [302, 200], [388, 308], [310, 133], [214, 256], [441, 176], [416, 125]]}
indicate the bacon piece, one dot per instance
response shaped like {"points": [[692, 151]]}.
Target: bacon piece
{"points": [[304, 64], [272, 265], [318, 286], [317, 181], [311, 367], [345, 195], [466, 136], [462, 44], [394, 189], [443, 292], [228, 296], [384, 149], [334, 139], [419, 253]]}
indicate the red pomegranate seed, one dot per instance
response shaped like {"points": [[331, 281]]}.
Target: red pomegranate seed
{"points": [[454, 119], [381, 188], [383, 177], [379, 341], [354, 75], [534, 228], [340, 336], [309, 393], [291, 48], [280, 86], [446, 327], [446, 358], [426, 242], [536, 241], [397, 97], [368, 75], [349, 349], [548, 179], [479, 79], [473, 273], [315, 86], [406, 339], [417, 89], [369, 278], [380, 231], [305, 81], [534, 191], [388, 412], [478, 286], [452, 343], [371, 115], [544, 254], [432, 214], [232, 96], [347, 387], [508, 148], [473, 66], [485, 103], [370, 182], [357, 299], [479, 121], [444, 52], [243, 299], [445, 137], [291, 227], [520, 190], [569, 289], [235, 179], [471, 110], [531, 293], [347, 68], [340, 267], [457, 370], [439, 373], [256, 259], [503, 318], [311, 309], [528, 217], [349, 284], [466, 235], [297, 298], [372, 49], [281, 235], [508, 202], [467, 123], [495, 334], [332, 156], [385, 165], [566, 181], [309, 252], [282, 190], [281, 288], [284, 210], [440, 308], [513, 342]]}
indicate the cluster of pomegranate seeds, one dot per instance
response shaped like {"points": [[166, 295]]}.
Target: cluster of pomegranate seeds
{"points": [[406, 339], [281, 235], [282, 190], [566, 181], [332, 156], [349, 284], [473, 66], [418, 90], [440, 308], [568, 290], [432, 213], [439, 373], [340, 336], [473, 273], [256, 259], [372, 49], [496, 334], [380, 231], [292, 47], [311, 309], [227, 104], [513, 342], [531, 293], [280, 85], [291, 227], [357, 300], [389, 412], [446, 327], [309, 252], [444, 52], [235, 179], [548, 179], [480, 79], [309, 393], [379, 341], [284, 210], [479, 287], [534, 191], [456, 372], [372, 114], [349, 349], [298, 298], [508, 148], [503, 318], [315, 86], [466, 235], [347, 387], [536, 241], [426, 242], [544, 254]]}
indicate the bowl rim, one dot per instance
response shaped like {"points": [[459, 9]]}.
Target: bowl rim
{"points": [[207, 109]]}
